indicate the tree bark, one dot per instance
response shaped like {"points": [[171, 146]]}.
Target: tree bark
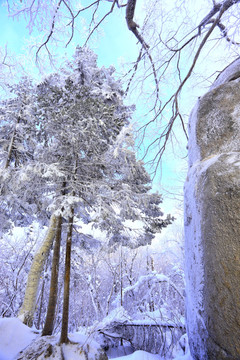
{"points": [[130, 9], [26, 313], [52, 301], [41, 302], [11, 145], [66, 294]]}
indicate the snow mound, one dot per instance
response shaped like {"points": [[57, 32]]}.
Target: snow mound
{"points": [[140, 355], [80, 347], [143, 355], [15, 336]]}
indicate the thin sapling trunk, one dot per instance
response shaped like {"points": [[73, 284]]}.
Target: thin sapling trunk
{"points": [[66, 294]]}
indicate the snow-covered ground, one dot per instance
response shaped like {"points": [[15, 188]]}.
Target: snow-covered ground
{"points": [[15, 336], [143, 355]]}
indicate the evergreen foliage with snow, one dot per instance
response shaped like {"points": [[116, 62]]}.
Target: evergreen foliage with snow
{"points": [[66, 142], [67, 145]]}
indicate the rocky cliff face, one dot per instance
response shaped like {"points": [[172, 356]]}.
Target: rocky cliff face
{"points": [[212, 221]]}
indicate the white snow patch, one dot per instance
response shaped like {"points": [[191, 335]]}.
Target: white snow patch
{"points": [[117, 315], [227, 74], [193, 247], [184, 357], [14, 337], [234, 159], [143, 355], [207, 162], [193, 148], [139, 355]]}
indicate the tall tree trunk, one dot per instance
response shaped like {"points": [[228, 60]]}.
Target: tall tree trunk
{"points": [[64, 331], [41, 297], [26, 313], [11, 145], [52, 301]]}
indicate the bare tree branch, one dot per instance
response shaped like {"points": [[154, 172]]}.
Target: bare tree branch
{"points": [[86, 8], [132, 26], [216, 8], [51, 31], [99, 23], [72, 22], [225, 33], [175, 106], [131, 23]]}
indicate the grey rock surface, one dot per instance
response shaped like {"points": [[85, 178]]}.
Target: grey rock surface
{"points": [[212, 222]]}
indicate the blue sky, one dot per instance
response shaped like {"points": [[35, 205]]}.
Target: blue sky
{"points": [[117, 42]]}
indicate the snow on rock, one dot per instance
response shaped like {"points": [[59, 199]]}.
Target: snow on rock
{"points": [[18, 341], [14, 337], [193, 149], [212, 221], [230, 73], [80, 347]]}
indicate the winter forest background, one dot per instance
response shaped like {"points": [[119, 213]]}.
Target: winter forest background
{"points": [[95, 100]]}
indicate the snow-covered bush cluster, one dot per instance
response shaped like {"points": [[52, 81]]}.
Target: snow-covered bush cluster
{"points": [[100, 281]]}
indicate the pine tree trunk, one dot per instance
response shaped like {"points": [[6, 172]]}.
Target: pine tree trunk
{"points": [[26, 313], [52, 301], [11, 145], [66, 294]]}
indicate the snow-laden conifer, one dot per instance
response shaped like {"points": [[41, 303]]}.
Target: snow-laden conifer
{"points": [[75, 157]]}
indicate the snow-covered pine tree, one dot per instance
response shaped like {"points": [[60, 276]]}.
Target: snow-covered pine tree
{"points": [[80, 128], [17, 144]]}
